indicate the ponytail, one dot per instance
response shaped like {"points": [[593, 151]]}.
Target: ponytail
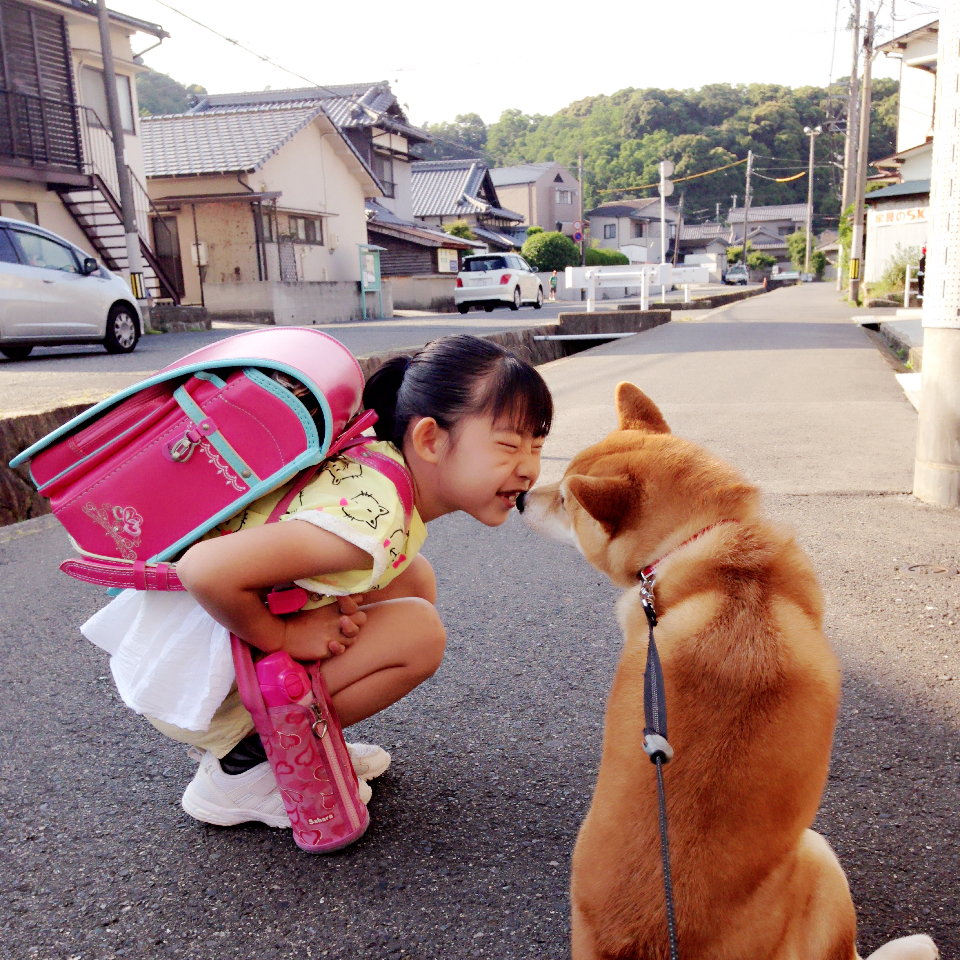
{"points": [[455, 377]]}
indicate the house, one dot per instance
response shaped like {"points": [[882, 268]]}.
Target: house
{"points": [[632, 224], [769, 227], [266, 205], [705, 244], [57, 159], [445, 191], [897, 214], [546, 194]]}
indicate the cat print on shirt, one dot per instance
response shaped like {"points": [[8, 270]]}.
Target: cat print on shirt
{"points": [[364, 508], [343, 469]]}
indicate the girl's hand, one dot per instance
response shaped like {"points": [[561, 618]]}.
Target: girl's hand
{"points": [[324, 632]]}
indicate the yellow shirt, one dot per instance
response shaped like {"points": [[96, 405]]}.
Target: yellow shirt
{"points": [[353, 501]]}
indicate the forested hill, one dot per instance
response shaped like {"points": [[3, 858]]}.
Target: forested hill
{"points": [[624, 136]]}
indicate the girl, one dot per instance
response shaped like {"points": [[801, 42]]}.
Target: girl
{"points": [[468, 420]]}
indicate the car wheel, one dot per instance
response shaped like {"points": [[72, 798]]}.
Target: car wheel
{"points": [[16, 353], [488, 307], [538, 303], [462, 307], [123, 329], [516, 301]]}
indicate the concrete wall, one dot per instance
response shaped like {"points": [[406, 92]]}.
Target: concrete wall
{"points": [[293, 304], [917, 92], [537, 200], [424, 292], [562, 292]]}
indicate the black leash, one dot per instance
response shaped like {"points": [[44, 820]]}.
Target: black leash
{"points": [[655, 742]]}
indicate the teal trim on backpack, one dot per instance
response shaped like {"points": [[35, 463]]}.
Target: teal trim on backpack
{"points": [[196, 413], [261, 489], [210, 378], [294, 403], [184, 372]]}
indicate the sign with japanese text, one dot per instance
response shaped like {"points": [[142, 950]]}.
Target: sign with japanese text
{"points": [[896, 218], [447, 260]]}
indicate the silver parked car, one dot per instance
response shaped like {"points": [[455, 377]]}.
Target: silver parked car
{"points": [[51, 293]]}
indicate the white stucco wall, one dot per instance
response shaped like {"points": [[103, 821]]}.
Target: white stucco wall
{"points": [[917, 88], [51, 213], [882, 240]]}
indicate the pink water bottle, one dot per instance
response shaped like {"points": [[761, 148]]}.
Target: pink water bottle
{"points": [[283, 680]]}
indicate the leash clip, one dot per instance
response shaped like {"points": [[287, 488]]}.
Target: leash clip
{"points": [[647, 580]]}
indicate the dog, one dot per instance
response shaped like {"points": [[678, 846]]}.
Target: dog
{"points": [[752, 689]]}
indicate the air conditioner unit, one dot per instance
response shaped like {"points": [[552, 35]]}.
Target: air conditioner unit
{"points": [[198, 254], [334, 241]]}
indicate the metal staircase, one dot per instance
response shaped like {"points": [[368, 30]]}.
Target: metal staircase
{"points": [[96, 212]]}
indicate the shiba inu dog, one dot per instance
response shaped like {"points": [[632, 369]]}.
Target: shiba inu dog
{"points": [[752, 689]]}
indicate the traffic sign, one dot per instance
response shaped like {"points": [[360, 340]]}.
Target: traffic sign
{"points": [[577, 226], [666, 168], [666, 188], [577, 236]]}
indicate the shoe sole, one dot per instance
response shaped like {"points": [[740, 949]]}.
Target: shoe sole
{"points": [[226, 816]]}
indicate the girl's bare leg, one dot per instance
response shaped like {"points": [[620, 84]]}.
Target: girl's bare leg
{"points": [[400, 645]]}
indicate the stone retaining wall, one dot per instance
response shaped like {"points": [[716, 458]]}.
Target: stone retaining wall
{"points": [[19, 499]]}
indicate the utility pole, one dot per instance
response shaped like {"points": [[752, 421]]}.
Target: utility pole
{"points": [[583, 229], [936, 476], [856, 244], [746, 209], [853, 130], [676, 243], [812, 134], [127, 208]]}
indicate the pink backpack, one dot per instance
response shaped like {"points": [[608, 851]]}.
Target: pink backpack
{"points": [[144, 474]]}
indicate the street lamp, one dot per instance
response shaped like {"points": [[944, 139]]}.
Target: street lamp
{"points": [[812, 133]]}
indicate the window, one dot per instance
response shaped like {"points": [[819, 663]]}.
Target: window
{"points": [[565, 197], [306, 230], [95, 96], [383, 169], [479, 264], [8, 253], [609, 231], [41, 252], [638, 228], [18, 210]]}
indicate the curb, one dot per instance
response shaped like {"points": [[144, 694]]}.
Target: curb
{"points": [[19, 500]]}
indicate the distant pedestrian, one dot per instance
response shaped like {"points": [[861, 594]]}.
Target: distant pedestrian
{"points": [[921, 275], [553, 285]]}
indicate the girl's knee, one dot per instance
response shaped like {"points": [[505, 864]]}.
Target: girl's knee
{"points": [[431, 640]]}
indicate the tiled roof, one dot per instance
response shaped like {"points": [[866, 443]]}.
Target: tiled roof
{"points": [[646, 209], [231, 141], [382, 220], [493, 237], [451, 188], [704, 231], [784, 211], [347, 105], [524, 173]]}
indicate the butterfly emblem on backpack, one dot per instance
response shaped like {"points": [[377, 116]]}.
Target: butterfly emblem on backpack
{"points": [[364, 508]]}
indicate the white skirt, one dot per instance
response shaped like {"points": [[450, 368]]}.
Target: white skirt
{"points": [[170, 659]]}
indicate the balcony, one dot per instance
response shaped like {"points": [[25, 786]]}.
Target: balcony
{"points": [[41, 137]]}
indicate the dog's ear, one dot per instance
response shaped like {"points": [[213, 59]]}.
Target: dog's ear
{"points": [[611, 501], [637, 411]]}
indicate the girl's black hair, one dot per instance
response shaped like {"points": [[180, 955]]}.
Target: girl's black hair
{"points": [[455, 377]]}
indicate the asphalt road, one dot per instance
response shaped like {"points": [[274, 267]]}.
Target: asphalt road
{"points": [[494, 757]]}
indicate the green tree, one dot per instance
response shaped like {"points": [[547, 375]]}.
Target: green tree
{"points": [[797, 245], [532, 230], [818, 263], [159, 94], [550, 251], [755, 258], [461, 229], [465, 138]]}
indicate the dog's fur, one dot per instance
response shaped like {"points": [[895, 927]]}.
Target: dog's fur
{"points": [[752, 690]]}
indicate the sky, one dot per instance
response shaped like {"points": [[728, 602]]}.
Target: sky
{"points": [[443, 59]]}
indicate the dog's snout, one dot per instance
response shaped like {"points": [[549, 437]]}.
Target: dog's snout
{"points": [[520, 498]]}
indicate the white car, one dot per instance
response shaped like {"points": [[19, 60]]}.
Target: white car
{"points": [[494, 279], [52, 293]]}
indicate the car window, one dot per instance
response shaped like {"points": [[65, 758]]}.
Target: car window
{"points": [[8, 253], [517, 263], [42, 252], [484, 263]]}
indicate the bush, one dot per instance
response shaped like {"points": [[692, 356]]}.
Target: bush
{"points": [[459, 228], [755, 258], [797, 245], [818, 263], [550, 251], [602, 257], [895, 273], [532, 230]]}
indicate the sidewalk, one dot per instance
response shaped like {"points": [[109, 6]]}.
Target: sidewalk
{"points": [[495, 756]]}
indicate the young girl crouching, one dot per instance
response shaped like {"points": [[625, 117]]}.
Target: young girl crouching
{"points": [[468, 421]]}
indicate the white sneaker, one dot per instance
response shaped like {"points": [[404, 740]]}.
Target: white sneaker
{"points": [[366, 791], [224, 800], [369, 760]]}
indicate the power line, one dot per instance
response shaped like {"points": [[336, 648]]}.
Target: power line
{"points": [[695, 176]]}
